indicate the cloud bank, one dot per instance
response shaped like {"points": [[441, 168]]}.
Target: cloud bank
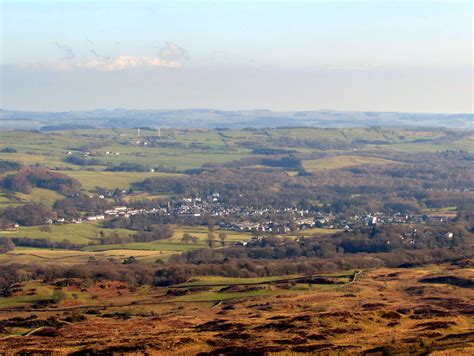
{"points": [[126, 62], [170, 55]]}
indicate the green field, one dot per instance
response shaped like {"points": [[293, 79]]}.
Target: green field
{"points": [[201, 233], [463, 145], [195, 148], [338, 162], [41, 292], [39, 195], [111, 180], [76, 233]]}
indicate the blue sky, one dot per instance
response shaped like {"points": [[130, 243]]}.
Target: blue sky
{"points": [[352, 55]]}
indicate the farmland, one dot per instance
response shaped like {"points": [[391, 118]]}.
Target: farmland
{"points": [[46, 257], [89, 233], [185, 149], [110, 180], [342, 162], [75, 233]]}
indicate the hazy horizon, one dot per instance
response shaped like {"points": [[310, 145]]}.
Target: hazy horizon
{"points": [[233, 110]]}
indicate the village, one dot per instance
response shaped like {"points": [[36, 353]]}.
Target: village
{"points": [[195, 210]]}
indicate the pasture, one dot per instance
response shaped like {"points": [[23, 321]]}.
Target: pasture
{"points": [[463, 145], [27, 255], [337, 162], [82, 233], [111, 180], [38, 195]]}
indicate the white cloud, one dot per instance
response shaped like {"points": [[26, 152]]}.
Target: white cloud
{"points": [[170, 55], [128, 62], [106, 64], [172, 52]]}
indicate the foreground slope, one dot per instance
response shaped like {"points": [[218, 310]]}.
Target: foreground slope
{"points": [[419, 310]]}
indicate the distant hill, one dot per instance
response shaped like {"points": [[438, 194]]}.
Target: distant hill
{"points": [[209, 118]]}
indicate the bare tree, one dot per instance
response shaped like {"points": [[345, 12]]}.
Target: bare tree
{"points": [[210, 235], [222, 237]]}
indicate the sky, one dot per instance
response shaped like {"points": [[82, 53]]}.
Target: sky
{"points": [[411, 56]]}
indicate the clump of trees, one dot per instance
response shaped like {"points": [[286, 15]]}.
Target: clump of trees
{"points": [[154, 233], [6, 245], [44, 243], [272, 151], [8, 150], [37, 177], [71, 207], [82, 161], [188, 238], [290, 162], [31, 214], [129, 167], [6, 166]]}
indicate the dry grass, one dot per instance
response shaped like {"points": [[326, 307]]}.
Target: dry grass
{"points": [[388, 309]]}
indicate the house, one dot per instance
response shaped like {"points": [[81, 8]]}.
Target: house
{"points": [[95, 218], [11, 227]]}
